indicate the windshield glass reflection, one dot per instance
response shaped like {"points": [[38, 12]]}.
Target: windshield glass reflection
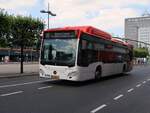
{"points": [[60, 52]]}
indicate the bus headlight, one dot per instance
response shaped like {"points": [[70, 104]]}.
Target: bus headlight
{"points": [[72, 74], [41, 72]]}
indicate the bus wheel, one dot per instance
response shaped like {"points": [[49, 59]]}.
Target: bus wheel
{"points": [[98, 73]]}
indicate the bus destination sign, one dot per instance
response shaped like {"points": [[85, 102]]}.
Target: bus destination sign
{"points": [[66, 34]]}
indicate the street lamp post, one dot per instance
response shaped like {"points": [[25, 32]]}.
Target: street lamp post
{"points": [[48, 13]]}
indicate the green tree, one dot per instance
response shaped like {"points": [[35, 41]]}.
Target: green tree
{"points": [[25, 32], [19, 31], [141, 52], [5, 28]]}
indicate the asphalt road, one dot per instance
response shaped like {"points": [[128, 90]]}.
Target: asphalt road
{"points": [[128, 93]]}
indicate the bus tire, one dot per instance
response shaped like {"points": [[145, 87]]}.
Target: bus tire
{"points": [[98, 73]]}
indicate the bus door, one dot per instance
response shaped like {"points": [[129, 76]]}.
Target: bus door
{"points": [[85, 58]]}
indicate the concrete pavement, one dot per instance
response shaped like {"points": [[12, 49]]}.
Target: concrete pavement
{"points": [[13, 69]]}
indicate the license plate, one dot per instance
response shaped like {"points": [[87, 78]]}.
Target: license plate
{"points": [[47, 75], [54, 77]]}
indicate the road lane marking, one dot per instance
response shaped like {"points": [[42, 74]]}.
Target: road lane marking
{"points": [[118, 97], [138, 85], [40, 88], [21, 84], [144, 82], [13, 93], [130, 90], [148, 79], [98, 108]]}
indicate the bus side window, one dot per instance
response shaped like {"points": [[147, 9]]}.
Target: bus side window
{"points": [[86, 51], [89, 51], [89, 46], [82, 55]]}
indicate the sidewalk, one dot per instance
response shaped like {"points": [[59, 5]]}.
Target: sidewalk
{"points": [[18, 75], [13, 70], [30, 69], [1, 63]]}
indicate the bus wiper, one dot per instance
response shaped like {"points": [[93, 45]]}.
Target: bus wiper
{"points": [[71, 65], [43, 62]]}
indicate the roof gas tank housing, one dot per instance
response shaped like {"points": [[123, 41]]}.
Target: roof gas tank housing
{"points": [[86, 29]]}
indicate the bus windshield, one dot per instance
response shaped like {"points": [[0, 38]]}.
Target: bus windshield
{"points": [[59, 52]]}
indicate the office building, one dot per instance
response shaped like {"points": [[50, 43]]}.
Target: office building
{"points": [[138, 28]]}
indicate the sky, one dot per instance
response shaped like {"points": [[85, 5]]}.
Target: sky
{"points": [[107, 15]]}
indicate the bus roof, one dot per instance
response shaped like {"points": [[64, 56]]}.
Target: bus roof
{"points": [[86, 29], [118, 41], [121, 42], [92, 31]]}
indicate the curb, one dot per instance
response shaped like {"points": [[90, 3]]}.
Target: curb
{"points": [[18, 75], [2, 63], [137, 65]]}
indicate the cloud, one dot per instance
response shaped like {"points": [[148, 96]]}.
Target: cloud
{"points": [[108, 15], [16, 4], [102, 14]]}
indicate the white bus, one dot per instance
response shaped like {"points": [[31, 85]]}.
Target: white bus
{"points": [[82, 53]]}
